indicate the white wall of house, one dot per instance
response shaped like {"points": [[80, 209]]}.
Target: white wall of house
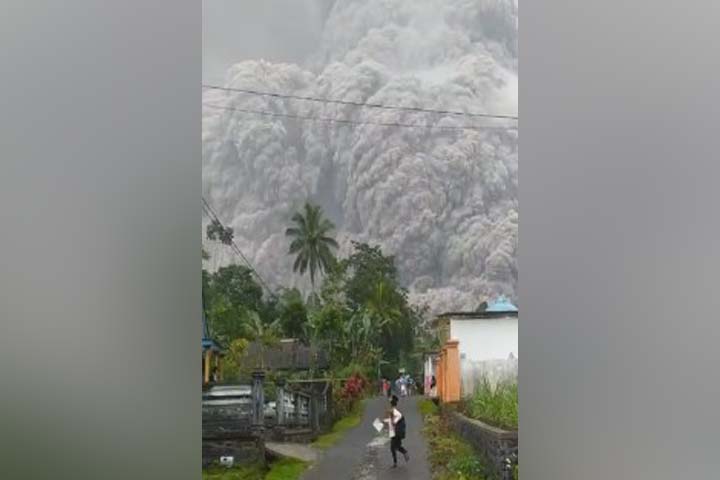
{"points": [[485, 339], [473, 373], [485, 347]]}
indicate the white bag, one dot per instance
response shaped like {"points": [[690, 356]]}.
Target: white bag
{"points": [[378, 425]]}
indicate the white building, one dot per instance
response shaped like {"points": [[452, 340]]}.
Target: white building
{"points": [[430, 367], [487, 342]]}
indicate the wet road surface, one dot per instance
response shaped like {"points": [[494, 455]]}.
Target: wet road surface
{"points": [[363, 454]]}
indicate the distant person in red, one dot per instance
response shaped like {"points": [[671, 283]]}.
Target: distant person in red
{"points": [[385, 386]]}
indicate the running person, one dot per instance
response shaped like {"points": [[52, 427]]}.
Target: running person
{"points": [[396, 428]]}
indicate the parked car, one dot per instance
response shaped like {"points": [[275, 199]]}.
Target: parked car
{"points": [[271, 407], [270, 410]]}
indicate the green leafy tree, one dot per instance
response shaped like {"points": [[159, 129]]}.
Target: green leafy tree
{"points": [[229, 321], [311, 243], [364, 314], [366, 267], [324, 328], [233, 298], [372, 285], [292, 313], [237, 285]]}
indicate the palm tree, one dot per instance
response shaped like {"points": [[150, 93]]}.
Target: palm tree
{"points": [[311, 241]]}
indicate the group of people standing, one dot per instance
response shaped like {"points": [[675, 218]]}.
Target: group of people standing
{"points": [[403, 386]]}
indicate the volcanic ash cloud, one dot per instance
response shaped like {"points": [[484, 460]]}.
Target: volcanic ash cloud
{"points": [[443, 201]]}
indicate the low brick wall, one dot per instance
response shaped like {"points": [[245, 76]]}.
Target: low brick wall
{"points": [[496, 445]]}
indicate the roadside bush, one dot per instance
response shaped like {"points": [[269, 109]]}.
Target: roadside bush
{"points": [[427, 407], [466, 466], [444, 449], [346, 397], [354, 387], [353, 369]]}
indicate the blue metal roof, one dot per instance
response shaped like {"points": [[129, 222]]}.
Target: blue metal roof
{"points": [[501, 304], [209, 344], [207, 341]]}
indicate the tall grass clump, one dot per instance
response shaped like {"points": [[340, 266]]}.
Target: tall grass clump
{"points": [[496, 404]]}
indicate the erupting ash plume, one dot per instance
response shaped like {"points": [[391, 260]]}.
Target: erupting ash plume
{"points": [[443, 201]]}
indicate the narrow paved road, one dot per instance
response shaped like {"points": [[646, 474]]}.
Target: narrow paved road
{"points": [[363, 454]]}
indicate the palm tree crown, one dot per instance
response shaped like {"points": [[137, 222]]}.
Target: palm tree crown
{"points": [[311, 241]]}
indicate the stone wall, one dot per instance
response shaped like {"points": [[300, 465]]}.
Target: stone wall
{"points": [[236, 422], [292, 435], [243, 449], [499, 447]]}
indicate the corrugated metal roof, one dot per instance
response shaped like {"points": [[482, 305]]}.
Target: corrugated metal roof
{"points": [[289, 355]]}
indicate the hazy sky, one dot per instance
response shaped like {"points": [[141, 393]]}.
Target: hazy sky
{"points": [[276, 30]]}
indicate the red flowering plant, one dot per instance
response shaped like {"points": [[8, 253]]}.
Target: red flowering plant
{"points": [[354, 386], [349, 394]]}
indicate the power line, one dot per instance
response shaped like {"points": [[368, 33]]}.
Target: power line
{"points": [[209, 210], [359, 104], [233, 246], [235, 249], [352, 122]]}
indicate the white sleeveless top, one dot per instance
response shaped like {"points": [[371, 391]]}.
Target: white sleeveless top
{"points": [[396, 416]]}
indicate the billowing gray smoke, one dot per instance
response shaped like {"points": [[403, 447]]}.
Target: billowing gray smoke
{"points": [[443, 201]]}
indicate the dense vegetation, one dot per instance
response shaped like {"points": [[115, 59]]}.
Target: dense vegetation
{"points": [[358, 311]]}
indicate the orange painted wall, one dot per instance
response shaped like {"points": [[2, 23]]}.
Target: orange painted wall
{"points": [[448, 373]]}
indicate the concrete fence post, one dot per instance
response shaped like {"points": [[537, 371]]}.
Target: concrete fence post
{"points": [[296, 404], [258, 399], [280, 402], [314, 412]]}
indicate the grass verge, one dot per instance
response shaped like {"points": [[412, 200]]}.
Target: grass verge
{"points": [[427, 407], [285, 469], [340, 427], [242, 472], [450, 457]]}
